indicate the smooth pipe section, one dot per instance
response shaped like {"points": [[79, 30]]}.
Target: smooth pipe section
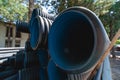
{"points": [[22, 27], [77, 40]]}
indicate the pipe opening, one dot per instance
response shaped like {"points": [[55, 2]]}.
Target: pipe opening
{"points": [[34, 37], [72, 39]]}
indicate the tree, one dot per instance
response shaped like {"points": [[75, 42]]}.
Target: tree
{"points": [[31, 7], [69, 3], [100, 7], [111, 19], [11, 10]]}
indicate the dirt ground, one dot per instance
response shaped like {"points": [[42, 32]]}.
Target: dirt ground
{"points": [[115, 67]]}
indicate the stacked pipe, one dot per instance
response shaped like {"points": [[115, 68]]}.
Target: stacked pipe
{"points": [[16, 67], [36, 53], [75, 39], [39, 12], [38, 28], [22, 27], [39, 31]]}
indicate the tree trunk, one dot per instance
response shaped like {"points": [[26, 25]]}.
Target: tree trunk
{"points": [[31, 7], [111, 30]]}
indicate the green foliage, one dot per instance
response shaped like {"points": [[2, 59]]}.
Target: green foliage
{"points": [[63, 4], [111, 20], [11, 10], [118, 42], [100, 7]]}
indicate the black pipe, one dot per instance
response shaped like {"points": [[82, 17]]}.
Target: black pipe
{"points": [[7, 73], [15, 61], [40, 12], [12, 77], [55, 73], [22, 27], [43, 61], [39, 29], [31, 58], [77, 40], [19, 59], [31, 73], [46, 15]]}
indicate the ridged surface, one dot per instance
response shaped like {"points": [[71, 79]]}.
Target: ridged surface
{"points": [[22, 27]]}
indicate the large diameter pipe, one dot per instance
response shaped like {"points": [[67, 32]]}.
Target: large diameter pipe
{"points": [[77, 40]]}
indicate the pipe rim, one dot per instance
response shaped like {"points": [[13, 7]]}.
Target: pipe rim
{"points": [[37, 29], [95, 46]]}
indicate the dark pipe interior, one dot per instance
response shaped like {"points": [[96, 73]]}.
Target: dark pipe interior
{"points": [[71, 39]]}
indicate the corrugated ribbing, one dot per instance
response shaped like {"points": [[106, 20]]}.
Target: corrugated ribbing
{"points": [[29, 74], [79, 76]]}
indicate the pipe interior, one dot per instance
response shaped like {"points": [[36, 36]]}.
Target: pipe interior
{"points": [[72, 39]]}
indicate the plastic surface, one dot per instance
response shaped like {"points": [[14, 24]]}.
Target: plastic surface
{"points": [[39, 32], [77, 40], [22, 27]]}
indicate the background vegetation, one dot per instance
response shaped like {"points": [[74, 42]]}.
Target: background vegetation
{"points": [[107, 10]]}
